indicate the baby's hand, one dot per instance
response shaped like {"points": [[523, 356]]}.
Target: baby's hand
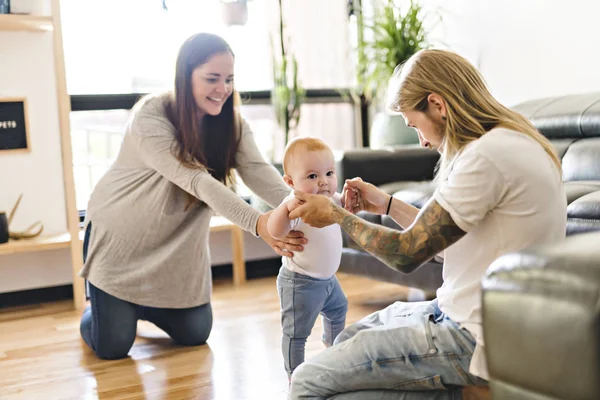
{"points": [[350, 199]]}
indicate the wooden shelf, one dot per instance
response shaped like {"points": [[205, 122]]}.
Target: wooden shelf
{"points": [[37, 244], [15, 22]]}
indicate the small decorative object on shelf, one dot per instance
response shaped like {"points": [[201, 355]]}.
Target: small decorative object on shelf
{"points": [[4, 6], [32, 231], [3, 228]]}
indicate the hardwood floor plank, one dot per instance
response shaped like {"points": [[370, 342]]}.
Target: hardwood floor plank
{"points": [[43, 357]]}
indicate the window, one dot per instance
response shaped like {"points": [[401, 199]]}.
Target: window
{"points": [[96, 138]]}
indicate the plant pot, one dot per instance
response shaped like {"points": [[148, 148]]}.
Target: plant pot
{"points": [[3, 228], [390, 130]]}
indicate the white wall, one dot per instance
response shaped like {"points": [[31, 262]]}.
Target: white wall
{"points": [[526, 48]]}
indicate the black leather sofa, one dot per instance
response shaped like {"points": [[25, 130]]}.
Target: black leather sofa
{"points": [[572, 123]]}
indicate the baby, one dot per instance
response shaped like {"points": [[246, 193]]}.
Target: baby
{"points": [[306, 282]]}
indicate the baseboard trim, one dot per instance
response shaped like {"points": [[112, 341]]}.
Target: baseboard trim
{"points": [[36, 296]]}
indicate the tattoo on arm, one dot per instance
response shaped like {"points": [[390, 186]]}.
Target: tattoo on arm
{"points": [[433, 231]]}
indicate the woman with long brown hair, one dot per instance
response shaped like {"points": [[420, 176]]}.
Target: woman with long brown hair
{"points": [[147, 224], [498, 190]]}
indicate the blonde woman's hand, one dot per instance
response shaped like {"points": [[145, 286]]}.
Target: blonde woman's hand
{"points": [[363, 196], [315, 210]]}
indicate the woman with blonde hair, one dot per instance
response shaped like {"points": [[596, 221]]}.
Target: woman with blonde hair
{"points": [[498, 190]]}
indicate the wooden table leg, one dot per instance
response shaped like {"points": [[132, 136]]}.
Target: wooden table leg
{"points": [[237, 246]]}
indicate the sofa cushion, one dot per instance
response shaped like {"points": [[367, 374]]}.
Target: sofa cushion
{"points": [[402, 163], [561, 146], [574, 116], [575, 190], [583, 214], [581, 161]]}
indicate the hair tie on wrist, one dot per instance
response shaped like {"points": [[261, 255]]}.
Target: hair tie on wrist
{"points": [[389, 205]]}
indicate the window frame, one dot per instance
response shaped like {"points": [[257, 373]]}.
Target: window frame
{"points": [[126, 101]]}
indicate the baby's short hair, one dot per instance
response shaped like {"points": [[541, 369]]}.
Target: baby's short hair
{"points": [[304, 144]]}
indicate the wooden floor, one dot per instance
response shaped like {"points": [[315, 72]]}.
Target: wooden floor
{"points": [[43, 357]]}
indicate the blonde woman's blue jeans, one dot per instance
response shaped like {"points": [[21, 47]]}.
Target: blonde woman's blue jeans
{"points": [[405, 351]]}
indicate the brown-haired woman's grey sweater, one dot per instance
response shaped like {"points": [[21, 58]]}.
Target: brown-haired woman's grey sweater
{"points": [[144, 246]]}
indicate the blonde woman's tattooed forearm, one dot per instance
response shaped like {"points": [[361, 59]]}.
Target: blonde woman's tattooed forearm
{"points": [[433, 231]]}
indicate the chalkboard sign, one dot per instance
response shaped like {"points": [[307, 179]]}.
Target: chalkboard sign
{"points": [[13, 125]]}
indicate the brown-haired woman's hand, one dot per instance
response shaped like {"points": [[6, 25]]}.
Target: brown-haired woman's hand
{"points": [[286, 247], [362, 196]]}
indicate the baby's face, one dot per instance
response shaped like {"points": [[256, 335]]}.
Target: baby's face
{"points": [[313, 172]]}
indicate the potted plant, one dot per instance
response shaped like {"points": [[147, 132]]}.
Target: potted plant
{"points": [[387, 38]]}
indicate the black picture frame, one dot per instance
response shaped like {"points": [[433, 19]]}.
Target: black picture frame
{"points": [[14, 132]]}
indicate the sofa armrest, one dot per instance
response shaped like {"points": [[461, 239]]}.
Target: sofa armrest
{"points": [[402, 163], [541, 321]]}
